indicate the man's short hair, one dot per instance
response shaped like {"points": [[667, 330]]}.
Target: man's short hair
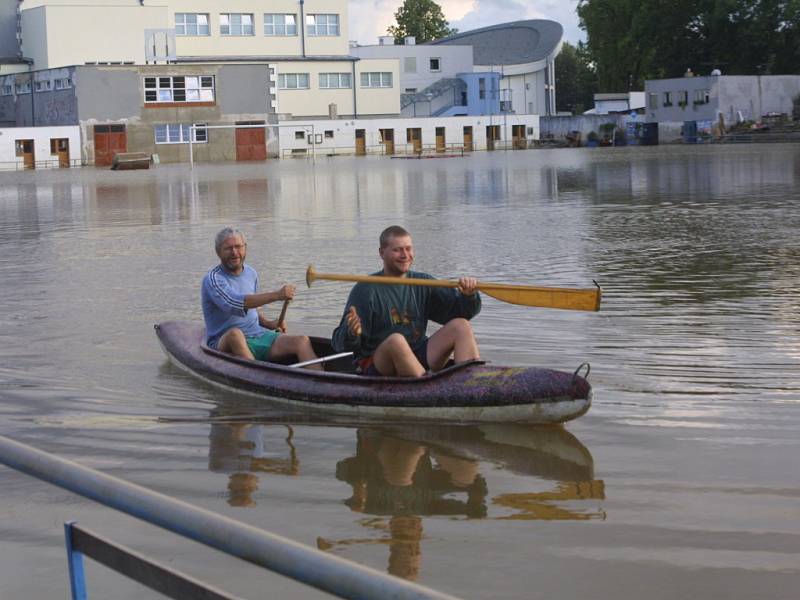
{"points": [[224, 234], [390, 232]]}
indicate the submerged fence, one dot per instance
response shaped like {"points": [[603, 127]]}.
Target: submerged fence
{"points": [[307, 565]]}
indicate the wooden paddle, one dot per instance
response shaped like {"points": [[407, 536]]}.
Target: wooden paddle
{"points": [[281, 318], [526, 295]]}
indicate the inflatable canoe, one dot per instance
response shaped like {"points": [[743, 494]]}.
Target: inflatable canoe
{"points": [[470, 392]]}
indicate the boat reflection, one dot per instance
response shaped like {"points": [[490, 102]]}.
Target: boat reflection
{"points": [[401, 474], [238, 449]]}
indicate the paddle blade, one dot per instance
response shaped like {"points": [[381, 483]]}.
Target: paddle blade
{"points": [[569, 299]]}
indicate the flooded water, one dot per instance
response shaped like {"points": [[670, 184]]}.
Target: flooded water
{"points": [[680, 482]]}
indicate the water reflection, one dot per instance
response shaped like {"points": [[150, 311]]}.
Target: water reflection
{"points": [[239, 450], [401, 474]]}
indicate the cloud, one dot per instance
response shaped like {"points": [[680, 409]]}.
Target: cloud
{"points": [[370, 18]]}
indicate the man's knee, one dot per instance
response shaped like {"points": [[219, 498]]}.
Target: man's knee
{"points": [[460, 326], [395, 342]]}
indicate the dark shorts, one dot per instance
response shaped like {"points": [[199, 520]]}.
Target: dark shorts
{"points": [[366, 366]]}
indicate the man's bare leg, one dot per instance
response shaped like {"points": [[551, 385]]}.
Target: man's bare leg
{"points": [[456, 338], [394, 357], [294, 345], [234, 342]]}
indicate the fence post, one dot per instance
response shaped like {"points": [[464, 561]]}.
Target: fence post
{"points": [[77, 579]]}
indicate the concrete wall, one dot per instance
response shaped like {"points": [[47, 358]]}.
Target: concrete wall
{"points": [[41, 137], [8, 28], [452, 60], [343, 133], [558, 127]]}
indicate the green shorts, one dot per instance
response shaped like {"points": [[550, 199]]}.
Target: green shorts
{"points": [[260, 345]]}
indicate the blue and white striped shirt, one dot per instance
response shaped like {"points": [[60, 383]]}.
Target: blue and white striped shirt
{"points": [[222, 295]]}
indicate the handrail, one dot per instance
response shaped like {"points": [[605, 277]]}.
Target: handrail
{"points": [[302, 563]]}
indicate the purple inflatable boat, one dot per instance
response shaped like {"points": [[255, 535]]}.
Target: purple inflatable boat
{"points": [[468, 392]]}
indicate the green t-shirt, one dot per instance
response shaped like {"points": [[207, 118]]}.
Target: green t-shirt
{"points": [[404, 309]]}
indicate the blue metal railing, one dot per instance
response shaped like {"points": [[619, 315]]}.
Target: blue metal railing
{"points": [[326, 572]]}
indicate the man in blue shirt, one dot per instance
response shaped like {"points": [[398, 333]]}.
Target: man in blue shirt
{"points": [[231, 308], [385, 325]]}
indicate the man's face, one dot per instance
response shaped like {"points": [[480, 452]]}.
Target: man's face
{"points": [[232, 253], [397, 255]]}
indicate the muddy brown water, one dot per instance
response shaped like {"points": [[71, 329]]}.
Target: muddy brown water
{"points": [[680, 482]]}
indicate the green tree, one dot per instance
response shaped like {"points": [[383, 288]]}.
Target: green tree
{"points": [[422, 19], [576, 80]]}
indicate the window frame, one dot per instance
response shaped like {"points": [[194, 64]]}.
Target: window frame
{"points": [[315, 28], [162, 92], [339, 77], [226, 20], [179, 133], [284, 25], [197, 25], [284, 78], [371, 75], [438, 68]]}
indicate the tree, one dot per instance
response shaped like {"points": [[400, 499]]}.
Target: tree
{"points": [[576, 80], [422, 19]]}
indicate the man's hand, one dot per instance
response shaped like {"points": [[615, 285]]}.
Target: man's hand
{"points": [[353, 322], [286, 292], [467, 285]]}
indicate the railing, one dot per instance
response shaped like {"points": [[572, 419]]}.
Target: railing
{"points": [[307, 565], [377, 150], [52, 163]]}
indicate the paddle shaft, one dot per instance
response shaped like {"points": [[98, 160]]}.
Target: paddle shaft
{"points": [[526, 295], [283, 314]]}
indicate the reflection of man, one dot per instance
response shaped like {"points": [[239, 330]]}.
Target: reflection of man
{"points": [[238, 449]]}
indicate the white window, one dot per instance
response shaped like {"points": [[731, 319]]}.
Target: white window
{"points": [[191, 24], [701, 96], [435, 65], [667, 98], [322, 24], [376, 80], [23, 88], [194, 88], [62, 83], [683, 98], [42, 85], [7, 89], [275, 24], [236, 24], [293, 81], [179, 133], [332, 81], [652, 100], [410, 64]]}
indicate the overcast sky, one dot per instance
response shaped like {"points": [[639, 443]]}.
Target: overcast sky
{"points": [[370, 18]]}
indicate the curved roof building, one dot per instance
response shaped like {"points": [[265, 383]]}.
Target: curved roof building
{"points": [[524, 53]]}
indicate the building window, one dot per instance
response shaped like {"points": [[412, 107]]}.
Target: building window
{"points": [[652, 100], [191, 24], [7, 89], [410, 91], [332, 81], [410, 64], [329, 134], [435, 65], [293, 81], [23, 88], [322, 24], [482, 88], [42, 85], [275, 24], [683, 98], [236, 24], [62, 83], [299, 135], [376, 80], [667, 98], [179, 133], [701, 97], [179, 89]]}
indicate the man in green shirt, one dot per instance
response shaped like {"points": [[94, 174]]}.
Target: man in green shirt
{"points": [[385, 325]]}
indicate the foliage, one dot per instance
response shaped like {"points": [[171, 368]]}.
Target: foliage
{"points": [[633, 40], [576, 80], [423, 19]]}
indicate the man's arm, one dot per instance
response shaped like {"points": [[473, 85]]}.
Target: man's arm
{"points": [[262, 298], [448, 303], [347, 336]]}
